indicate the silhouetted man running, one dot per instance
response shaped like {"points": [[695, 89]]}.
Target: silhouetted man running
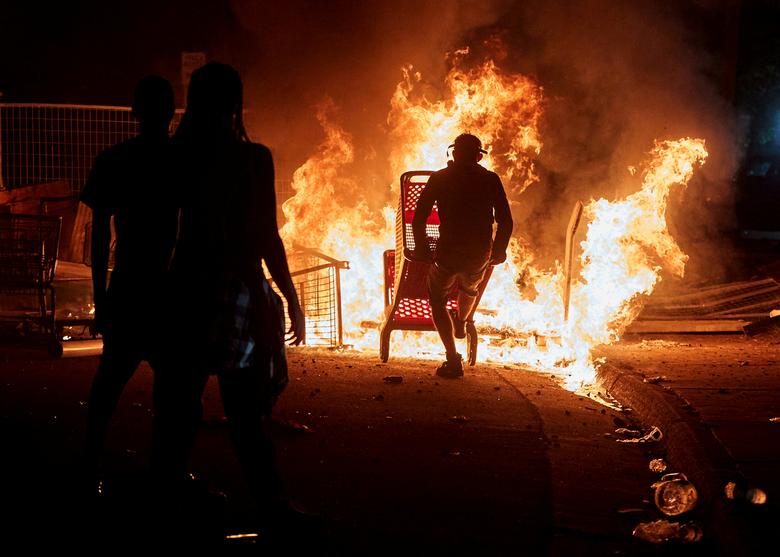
{"points": [[131, 182], [469, 198]]}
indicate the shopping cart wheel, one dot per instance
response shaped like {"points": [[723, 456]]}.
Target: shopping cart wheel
{"points": [[472, 341], [54, 348]]}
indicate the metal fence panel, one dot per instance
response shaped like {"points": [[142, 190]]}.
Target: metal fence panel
{"points": [[42, 143]]}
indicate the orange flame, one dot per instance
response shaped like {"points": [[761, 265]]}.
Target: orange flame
{"points": [[626, 246], [502, 109]]}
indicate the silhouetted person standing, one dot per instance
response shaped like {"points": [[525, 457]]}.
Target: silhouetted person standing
{"points": [[470, 199], [227, 320], [130, 182]]}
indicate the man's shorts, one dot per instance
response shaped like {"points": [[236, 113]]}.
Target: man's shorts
{"points": [[441, 279]]}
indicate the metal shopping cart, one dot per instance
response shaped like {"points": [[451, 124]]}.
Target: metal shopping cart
{"points": [[28, 255], [406, 293]]}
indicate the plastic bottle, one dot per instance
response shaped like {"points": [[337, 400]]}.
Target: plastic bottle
{"points": [[674, 494], [752, 495], [661, 531]]}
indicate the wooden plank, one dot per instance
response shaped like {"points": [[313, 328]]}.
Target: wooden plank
{"points": [[688, 326], [768, 304], [714, 303], [714, 290], [30, 196], [83, 217]]}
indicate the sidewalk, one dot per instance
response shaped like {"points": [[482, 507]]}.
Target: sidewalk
{"points": [[713, 397]]}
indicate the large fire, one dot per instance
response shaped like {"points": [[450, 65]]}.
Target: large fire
{"points": [[627, 243]]}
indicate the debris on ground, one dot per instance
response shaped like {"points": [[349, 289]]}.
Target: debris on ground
{"points": [[654, 344], [775, 420], [393, 379], [752, 495], [652, 436], [662, 531], [658, 465], [460, 419], [290, 426], [631, 510], [656, 380], [675, 494]]}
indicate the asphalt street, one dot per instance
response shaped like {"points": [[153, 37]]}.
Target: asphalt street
{"points": [[503, 461]]}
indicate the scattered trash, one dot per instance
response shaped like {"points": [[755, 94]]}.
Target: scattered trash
{"points": [[290, 426], [658, 465], [628, 431], [656, 380], [743, 363], [674, 494], [751, 495], [650, 344], [393, 379], [661, 531], [775, 420], [460, 419], [244, 536], [652, 436]]}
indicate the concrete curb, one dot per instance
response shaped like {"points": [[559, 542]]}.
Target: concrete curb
{"points": [[691, 449]]}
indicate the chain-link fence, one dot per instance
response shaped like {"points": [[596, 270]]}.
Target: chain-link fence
{"points": [[42, 143]]}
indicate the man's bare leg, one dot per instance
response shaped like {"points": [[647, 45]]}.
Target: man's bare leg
{"points": [[443, 322], [465, 305]]}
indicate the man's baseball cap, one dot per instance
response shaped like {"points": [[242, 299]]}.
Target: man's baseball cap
{"points": [[468, 141]]}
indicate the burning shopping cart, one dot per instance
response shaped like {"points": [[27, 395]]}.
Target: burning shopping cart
{"points": [[406, 294]]}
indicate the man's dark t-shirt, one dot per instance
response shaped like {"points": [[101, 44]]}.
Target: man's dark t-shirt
{"points": [[133, 182], [469, 199]]}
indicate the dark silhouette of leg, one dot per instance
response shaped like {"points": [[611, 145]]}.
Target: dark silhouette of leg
{"points": [[440, 281], [465, 305], [178, 392], [247, 405], [117, 365], [443, 322]]}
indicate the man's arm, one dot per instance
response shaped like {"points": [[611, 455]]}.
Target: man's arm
{"points": [[99, 255], [97, 196], [422, 212], [503, 216]]}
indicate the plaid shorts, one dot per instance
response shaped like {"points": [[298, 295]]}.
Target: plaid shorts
{"points": [[441, 279]]}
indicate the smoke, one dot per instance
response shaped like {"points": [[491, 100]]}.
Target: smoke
{"points": [[617, 76], [351, 52]]}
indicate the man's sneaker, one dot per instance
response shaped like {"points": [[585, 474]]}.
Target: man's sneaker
{"points": [[451, 368], [458, 325]]}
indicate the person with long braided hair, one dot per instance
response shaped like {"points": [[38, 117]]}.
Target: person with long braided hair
{"points": [[227, 321]]}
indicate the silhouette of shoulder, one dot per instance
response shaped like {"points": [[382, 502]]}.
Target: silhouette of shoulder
{"points": [[108, 167]]}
